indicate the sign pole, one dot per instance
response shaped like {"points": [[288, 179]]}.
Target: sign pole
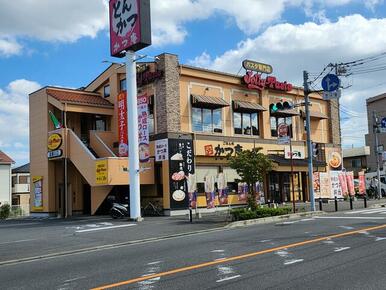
{"points": [[292, 178], [132, 134], [309, 145]]}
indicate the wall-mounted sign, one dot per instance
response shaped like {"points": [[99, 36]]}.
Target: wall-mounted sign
{"points": [[227, 149], [161, 150], [145, 76], [101, 172], [335, 160], [54, 141], [297, 152], [255, 81], [257, 66], [129, 25], [55, 153]]}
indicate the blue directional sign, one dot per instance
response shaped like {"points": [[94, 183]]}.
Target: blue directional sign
{"points": [[330, 83]]}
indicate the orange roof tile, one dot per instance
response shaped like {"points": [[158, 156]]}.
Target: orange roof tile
{"points": [[79, 97], [4, 158]]}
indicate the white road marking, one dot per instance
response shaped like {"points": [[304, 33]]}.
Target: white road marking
{"points": [[341, 249], [264, 241], [380, 239], [346, 227], [217, 251], [154, 263], [370, 211], [104, 228], [282, 253], [351, 217], [18, 241], [290, 262], [328, 242], [218, 259], [74, 279], [225, 270], [309, 219], [228, 278]]}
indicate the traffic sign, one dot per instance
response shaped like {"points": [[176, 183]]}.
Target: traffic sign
{"points": [[383, 125], [331, 95], [330, 83]]}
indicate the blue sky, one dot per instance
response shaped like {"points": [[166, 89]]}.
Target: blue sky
{"points": [[64, 42]]}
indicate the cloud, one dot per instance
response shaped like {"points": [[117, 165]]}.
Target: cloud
{"points": [[290, 49], [14, 120], [46, 20]]}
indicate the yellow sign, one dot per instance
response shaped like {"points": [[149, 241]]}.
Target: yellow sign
{"points": [[54, 141], [257, 66], [101, 172]]}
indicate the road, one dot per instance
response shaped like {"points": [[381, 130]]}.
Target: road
{"points": [[345, 250]]}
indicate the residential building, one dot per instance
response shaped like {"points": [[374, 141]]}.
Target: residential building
{"points": [[376, 106], [5, 178], [21, 187], [355, 159], [197, 118]]}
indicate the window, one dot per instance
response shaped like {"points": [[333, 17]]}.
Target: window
{"points": [[207, 120], [246, 123], [275, 121], [356, 163], [106, 91], [122, 85]]}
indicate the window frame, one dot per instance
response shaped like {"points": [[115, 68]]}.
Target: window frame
{"points": [[241, 129], [201, 125], [277, 117], [106, 91]]}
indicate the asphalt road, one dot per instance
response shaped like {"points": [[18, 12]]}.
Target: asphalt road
{"points": [[333, 251]]}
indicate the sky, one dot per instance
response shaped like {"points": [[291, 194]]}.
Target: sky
{"points": [[64, 43]]}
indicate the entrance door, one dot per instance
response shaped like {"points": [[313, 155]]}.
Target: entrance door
{"points": [[86, 199]]}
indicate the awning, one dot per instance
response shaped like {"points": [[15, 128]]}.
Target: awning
{"points": [[242, 106], [290, 112], [208, 102], [280, 160], [315, 115]]}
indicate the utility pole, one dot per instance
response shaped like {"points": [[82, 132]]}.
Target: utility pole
{"points": [[309, 145], [375, 128]]}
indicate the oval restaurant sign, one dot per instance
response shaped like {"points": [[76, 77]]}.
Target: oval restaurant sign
{"points": [[54, 141]]}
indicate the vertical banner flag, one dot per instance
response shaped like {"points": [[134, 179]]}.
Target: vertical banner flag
{"points": [[343, 182], [143, 129], [325, 185], [122, 124], [317, 184], [336, 189], [38, 192], [362, 183], [350, 182]]}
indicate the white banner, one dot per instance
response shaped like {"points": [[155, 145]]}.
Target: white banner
{"points": [[297, 152], [336, 189], [161, 150]]}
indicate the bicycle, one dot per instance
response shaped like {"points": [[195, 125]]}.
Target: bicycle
{"points": [[151, 210]]}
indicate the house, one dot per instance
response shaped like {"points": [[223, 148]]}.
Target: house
{"points": [[21, 187], [5, 178]]}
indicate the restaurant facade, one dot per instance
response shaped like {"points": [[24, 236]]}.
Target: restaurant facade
{"points": [[192, 120]]}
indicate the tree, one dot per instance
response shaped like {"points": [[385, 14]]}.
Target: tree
{"points": [[251, 166]]}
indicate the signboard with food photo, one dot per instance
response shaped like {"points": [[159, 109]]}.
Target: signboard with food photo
{"points": [[335, 160], [181, 164]]}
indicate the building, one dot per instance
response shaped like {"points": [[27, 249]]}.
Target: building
{"points": [[375, 107], [197, 118], [5, 178], [21, 187], [355, 159]]}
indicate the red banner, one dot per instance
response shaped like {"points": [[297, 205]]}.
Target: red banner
{"points": [[143, 128], [362, 183], [122, 124], [350, 182]]}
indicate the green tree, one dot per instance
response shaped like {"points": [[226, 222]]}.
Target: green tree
{"points": [[251, 166]]}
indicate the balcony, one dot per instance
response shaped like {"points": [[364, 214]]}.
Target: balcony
{"points": [[20, 188]]}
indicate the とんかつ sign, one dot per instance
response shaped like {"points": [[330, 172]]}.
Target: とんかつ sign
{"points": [[129, 25]]}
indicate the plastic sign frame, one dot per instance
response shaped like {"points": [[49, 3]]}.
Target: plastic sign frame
{"points": [[257, 66]]}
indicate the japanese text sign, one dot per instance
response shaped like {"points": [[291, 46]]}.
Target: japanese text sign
{"points": [[143, 129], [122, 125], [129, 25]]}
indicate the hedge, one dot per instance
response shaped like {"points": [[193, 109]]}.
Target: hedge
{"points": [[261, 212]]}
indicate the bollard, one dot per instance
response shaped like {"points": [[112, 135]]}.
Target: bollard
{"points": [[320, 204], [190, 215], [336, 203], [365, 201], [351, 207]]}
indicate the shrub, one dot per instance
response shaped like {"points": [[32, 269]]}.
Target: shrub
{"points": [[241, 214], [5, 210]]}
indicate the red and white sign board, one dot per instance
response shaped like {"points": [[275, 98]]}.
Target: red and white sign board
{"points": [[129, 25], [122, 124], [143, 128]]}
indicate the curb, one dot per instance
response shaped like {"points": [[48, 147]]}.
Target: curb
{"points": [[377, 205], [272, 219]]}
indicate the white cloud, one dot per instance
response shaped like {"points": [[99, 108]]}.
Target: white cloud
{"points": [[14, 122], [60, 20], [371, 4], [290, 49]]}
